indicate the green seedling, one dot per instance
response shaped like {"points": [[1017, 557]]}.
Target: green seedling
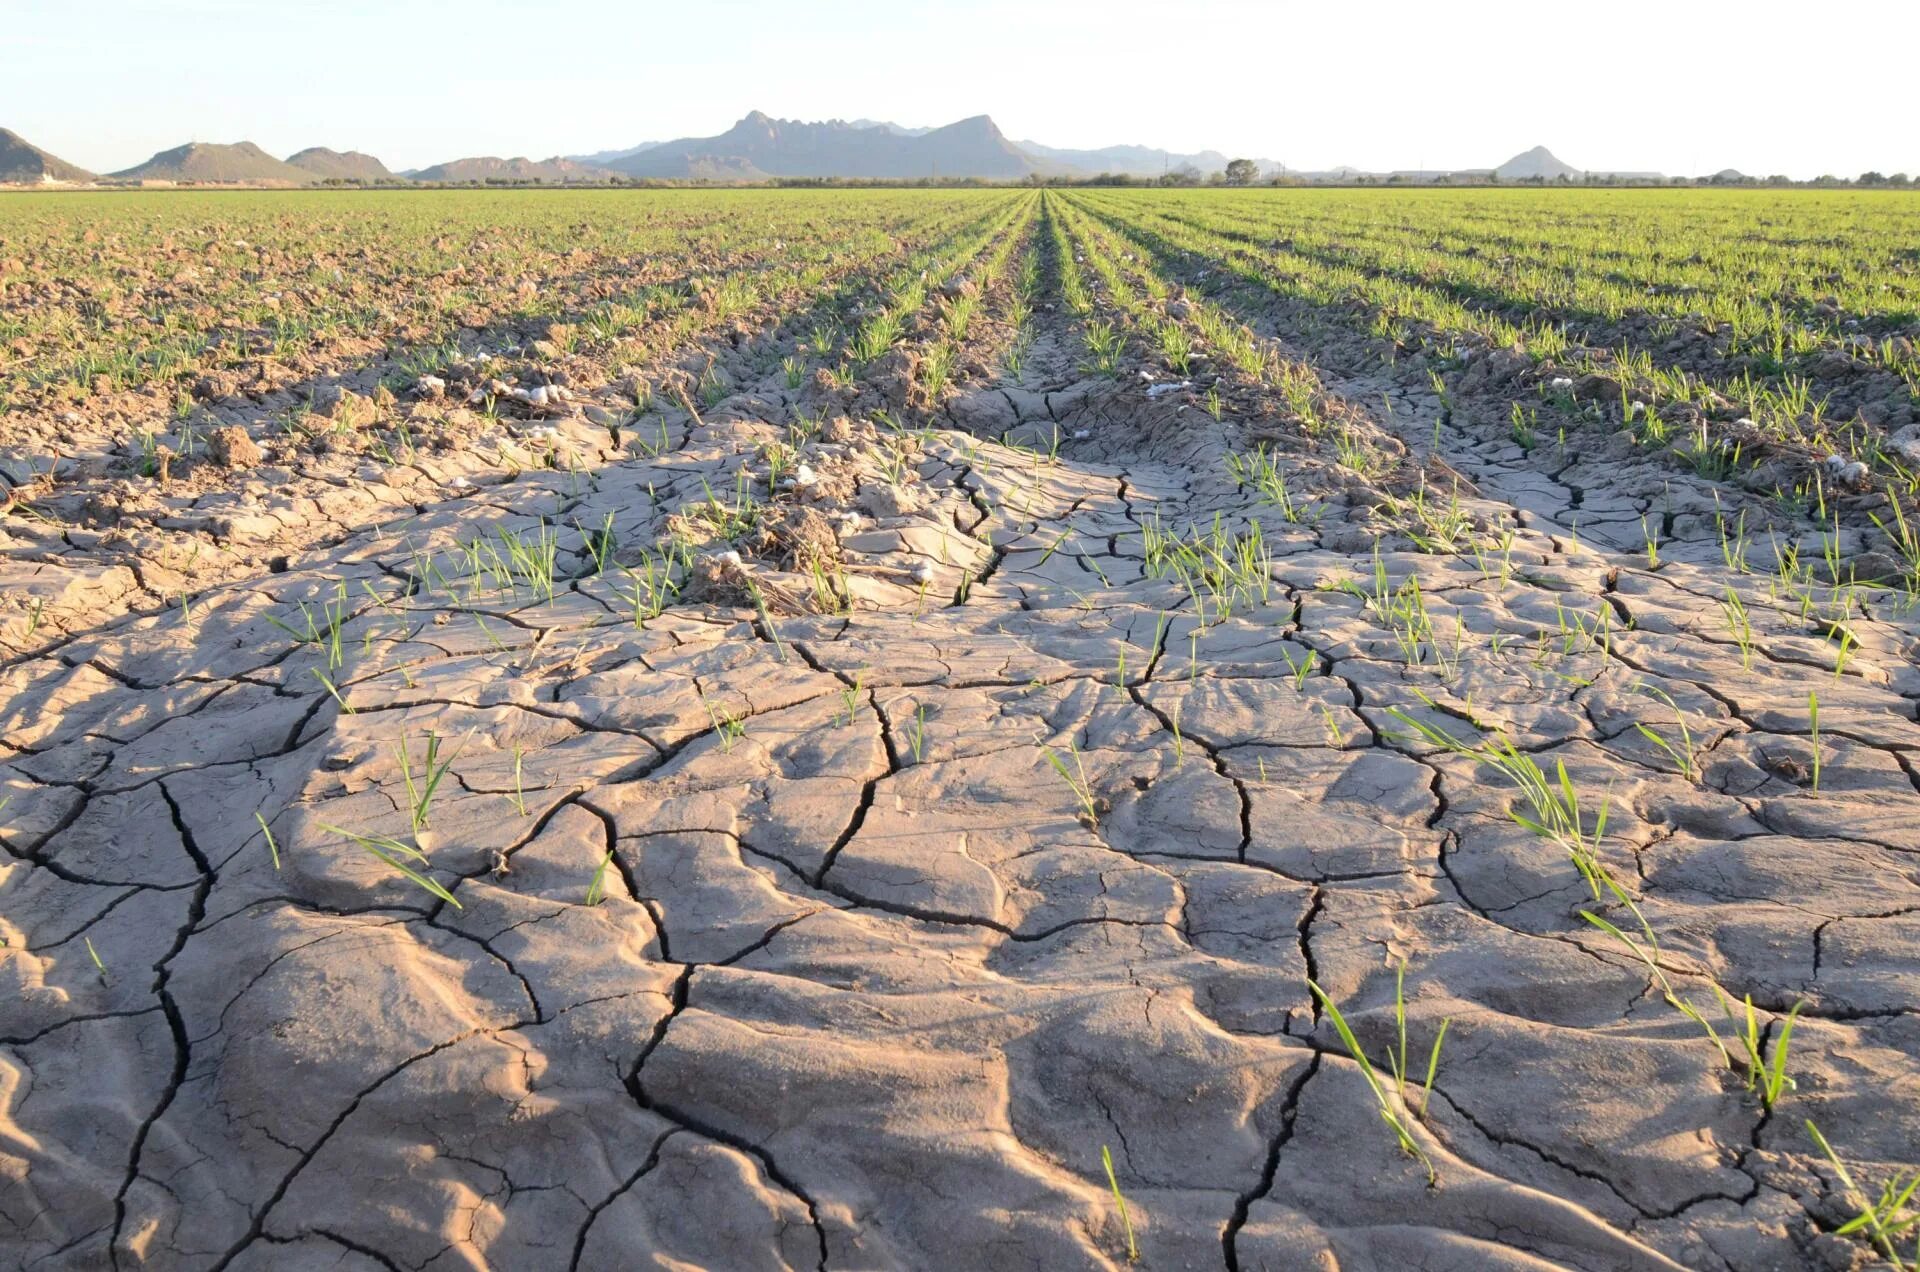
{"points": [[1554, 803], [1076, 780], [1126, 1220], [1739, 626], [727, 727], [1813, 729], [519, 786], [273, 849], [1884, 1220], [1766, 1075], [1681, 752], [420, 790], [597, 886], [397, 855], [1397, 1057], [1393, 1110], [851, 694], [917, 731]]}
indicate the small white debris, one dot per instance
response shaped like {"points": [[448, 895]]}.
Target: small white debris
{"points": [[1082, 434], [1161, 390], [922, 573], [1560, 384], [1744, 422], [460, 483], [431, 386], [803, 477], [1636, 409], [728, 558], [1847, 472]]}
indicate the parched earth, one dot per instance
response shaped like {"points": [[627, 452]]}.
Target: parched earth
{"points": [[737, 934]]}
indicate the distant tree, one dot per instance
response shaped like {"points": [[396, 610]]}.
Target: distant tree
{"points": [[1898, 178], [1871, 178], [1242, 172]]}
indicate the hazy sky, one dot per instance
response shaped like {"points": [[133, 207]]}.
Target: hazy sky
{"points": [[1683, 86]]}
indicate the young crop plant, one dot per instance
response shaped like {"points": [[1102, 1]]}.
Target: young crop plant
{"points": [[1554, 804], [1680, 748], [850, 697], [319, 626], [1394, 1107], [1261, 473], [1739, 626], [402, 857], [1120, 1202], [1886, 1219], [1403, 612], [728, 727], [1765, 1074], [597, 884], [1104, 347], [917, 731], [420, 789], [1076, 780], [273, 848], [1813, 731]]}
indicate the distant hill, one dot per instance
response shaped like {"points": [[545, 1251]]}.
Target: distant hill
{"points": [[760, 146], [23, 163], [242, 162], [350, 165], [1133, 161], [890, 127], [1536, 163], [488, 168], [601, 158]]}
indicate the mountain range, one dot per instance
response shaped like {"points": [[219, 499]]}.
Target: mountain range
{"points": [[336, 165], [22, 163], [487, 168], [757, 148], [760, 146], [209, 164]]}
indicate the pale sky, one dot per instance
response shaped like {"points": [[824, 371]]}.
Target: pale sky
{"points": [[1681, 86]]}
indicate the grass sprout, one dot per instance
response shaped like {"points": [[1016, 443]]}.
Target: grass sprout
{"points": [[1393, 1109], [1126, 1220], [397, 855]]}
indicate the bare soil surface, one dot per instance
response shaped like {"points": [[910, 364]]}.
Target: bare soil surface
{"points": [[762, 937]]}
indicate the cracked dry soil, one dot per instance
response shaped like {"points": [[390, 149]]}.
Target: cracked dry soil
{"points": [[777, 941]]}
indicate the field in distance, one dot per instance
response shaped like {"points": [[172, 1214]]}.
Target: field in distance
{"points": [[902, 728]]}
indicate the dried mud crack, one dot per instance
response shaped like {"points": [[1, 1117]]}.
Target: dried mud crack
{"points": [[791, 803]]}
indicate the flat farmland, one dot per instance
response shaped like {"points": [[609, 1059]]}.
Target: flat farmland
{"points": [[1264, 729]]}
